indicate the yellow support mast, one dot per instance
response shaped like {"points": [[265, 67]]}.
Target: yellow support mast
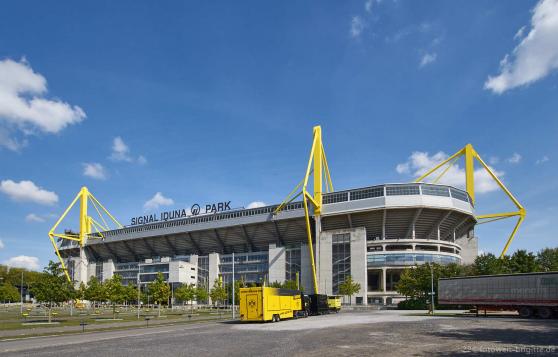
{"points": [[86, 222], [318, 167], [471, 155]]}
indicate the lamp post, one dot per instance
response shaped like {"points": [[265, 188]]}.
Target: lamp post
{"points": [[21, 294], [139, 296], [432, 288], [233, 312]]}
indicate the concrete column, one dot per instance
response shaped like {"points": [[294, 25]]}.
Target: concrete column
{"points": [[108, 269], [384, 279], [306, 270], [277, 264], [213, 270], [324, 254], [359, 264]]}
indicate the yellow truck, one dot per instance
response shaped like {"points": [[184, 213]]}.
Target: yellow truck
{"points": [[334, 303], [271, 304]]}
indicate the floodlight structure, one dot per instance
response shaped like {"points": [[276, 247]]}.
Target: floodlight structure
{"points": [[87, 225], [319, 169], [471, 155]]}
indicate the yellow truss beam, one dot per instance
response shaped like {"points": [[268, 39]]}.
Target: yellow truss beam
{"points": [[319, 169], [471, 155], [86, 223]]}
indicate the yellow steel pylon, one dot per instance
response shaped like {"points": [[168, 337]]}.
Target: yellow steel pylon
{"points": [[470, 156], [318, 167], [86, 223]]}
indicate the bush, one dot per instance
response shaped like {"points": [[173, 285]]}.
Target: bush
{"points": [[412, 304]]}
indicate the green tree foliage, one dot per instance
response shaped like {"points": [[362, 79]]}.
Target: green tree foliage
{"points": [[115, 292], [81, 292], [9, 293], [349, 287], [95, 291], [186, 293], [131, 293], [416, 283], [218, 293], [547, 259], [12, 276], [522, 262], [53, 287], [489, 264], [201, 294], [159, 290]]}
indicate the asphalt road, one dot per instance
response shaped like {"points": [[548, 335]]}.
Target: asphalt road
{"points": [[391, 333]]}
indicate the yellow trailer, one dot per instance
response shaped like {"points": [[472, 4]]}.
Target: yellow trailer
{"points": [[270, 304], [334, 303]]}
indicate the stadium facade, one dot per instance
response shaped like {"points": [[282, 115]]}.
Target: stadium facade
{"points": [[370, 233]]}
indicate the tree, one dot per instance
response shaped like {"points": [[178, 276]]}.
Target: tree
{"points": [[115, 292], [95, 291], [201, 294], [523, 262], [159, 290], [9, 293], [349, 287], [186, 293], [53, 287], [131, 293], [416, 282], [489, 264], [547, 259], [218, 293], [81, 292]]}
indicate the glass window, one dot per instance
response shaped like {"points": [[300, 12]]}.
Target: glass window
{"points": [[435, 190], [402, 190], [367, 193], [341, 259]]}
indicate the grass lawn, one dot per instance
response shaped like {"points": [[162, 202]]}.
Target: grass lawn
{"points": [[11, 318]]}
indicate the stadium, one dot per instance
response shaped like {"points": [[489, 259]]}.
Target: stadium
{"points": [[320, 238]]}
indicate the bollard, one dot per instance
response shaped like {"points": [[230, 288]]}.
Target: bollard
{"points": [[82, 324], [147, 318]]}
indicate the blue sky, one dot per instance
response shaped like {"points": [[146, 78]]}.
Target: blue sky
{"points": [[205, 102]]}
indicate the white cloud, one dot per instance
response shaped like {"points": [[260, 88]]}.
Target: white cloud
{"points": [[1, 244], [94, 170], [156, 201], [368, 5], [420, 162], [34, 218], [256, 204], [427, 59], [121, 152], [24, 107], [514, 159], [142, 160], [23, 261], [493, 160], [357, 26], [542, 160], [27, 191], [11, 143], [536, 56], [403, 168]]}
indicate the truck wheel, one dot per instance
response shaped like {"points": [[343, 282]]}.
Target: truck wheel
{"points": [[274, 318], [525, 312], [544, 312], [278, 318]]}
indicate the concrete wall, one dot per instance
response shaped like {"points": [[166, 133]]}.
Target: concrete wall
{"points": [[213, 270], [324, 263], [182, 272], [277, 264], [469, 249], [108, 269], [359, 268], [306, 270]]}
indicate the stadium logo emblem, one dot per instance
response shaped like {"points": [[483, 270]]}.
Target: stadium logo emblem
{"points": [[195, 209]]}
